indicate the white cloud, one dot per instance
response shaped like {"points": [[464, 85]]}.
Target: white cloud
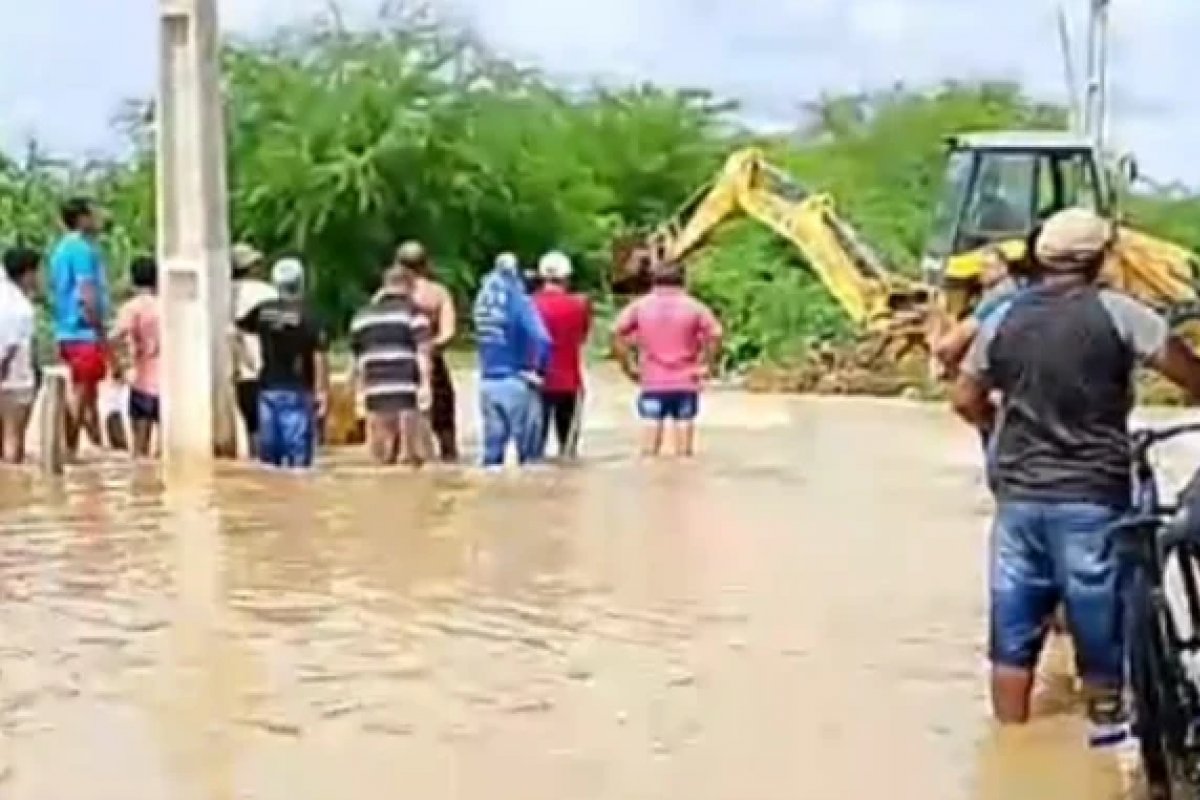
{"points": [[773, 54]]}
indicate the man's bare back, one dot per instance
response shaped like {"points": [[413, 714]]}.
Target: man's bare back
{"points": [[435, 302]]}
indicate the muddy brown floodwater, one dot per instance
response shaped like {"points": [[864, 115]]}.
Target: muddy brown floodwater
{"points": [[797, 614]]}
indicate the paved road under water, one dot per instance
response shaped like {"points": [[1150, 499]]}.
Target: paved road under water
{"points": [[797, 614]]}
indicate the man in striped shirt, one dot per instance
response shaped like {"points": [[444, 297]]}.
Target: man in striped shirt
{"points": [[392, 344]]}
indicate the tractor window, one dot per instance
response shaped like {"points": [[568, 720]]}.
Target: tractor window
{"points": [[954, 192], [1065, 180], [1079, 181], [1001, 205]]}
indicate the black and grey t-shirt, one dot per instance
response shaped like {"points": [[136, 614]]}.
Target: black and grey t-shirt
{"points": [[1063, 359], [291, 336], [386, 337]]}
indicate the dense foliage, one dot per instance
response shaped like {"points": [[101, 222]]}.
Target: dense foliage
{"points": [[343, 143]]}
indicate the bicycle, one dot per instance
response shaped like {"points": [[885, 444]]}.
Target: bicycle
{"points": [[1165, 702]]}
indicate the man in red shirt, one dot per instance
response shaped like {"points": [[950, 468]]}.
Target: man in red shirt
{"points": [[568, 319]]}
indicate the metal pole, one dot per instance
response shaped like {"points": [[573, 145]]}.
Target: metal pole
{"points": [[193, 237], [1101, 133], [1096, 122], [1077, 112]]}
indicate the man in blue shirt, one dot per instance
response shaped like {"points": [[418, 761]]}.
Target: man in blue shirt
{"points": [[514, 348], [80, 302], [999, 286]]}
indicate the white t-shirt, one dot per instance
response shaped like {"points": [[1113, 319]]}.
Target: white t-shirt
{"points": [[248, 294], [17, 321]]}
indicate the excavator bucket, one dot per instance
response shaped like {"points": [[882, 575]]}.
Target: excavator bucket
{"points": [[630, 266], [1157, 272]]}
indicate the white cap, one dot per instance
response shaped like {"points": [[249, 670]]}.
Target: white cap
{"points": [[554, 266], [245, 256], [507, 262], [287, 272]]}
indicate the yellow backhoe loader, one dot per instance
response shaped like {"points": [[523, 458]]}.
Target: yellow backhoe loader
{"points": [[999, 186], [878, 300]]}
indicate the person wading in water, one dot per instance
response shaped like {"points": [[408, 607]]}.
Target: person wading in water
{"points": [[567, 316], [436, 303], [249, 292], [392, 363], [1061, 356]]}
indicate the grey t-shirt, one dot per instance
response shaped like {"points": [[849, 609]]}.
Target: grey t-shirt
{"points": [[1063, 360]]}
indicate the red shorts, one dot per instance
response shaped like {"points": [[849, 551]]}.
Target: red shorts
{"points": [[87, 361]]}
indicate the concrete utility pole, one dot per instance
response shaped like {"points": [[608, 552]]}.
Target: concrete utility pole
{"points": [[193, 236]]}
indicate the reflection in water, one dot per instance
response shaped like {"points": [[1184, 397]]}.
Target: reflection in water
{"points": [[798, 614]]}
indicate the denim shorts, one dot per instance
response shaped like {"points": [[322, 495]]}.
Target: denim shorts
{"points": [[658, 406], [287, 429], [1043, 553]]}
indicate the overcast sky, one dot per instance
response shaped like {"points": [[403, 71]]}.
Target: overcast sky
{"points": [[65, 64]]}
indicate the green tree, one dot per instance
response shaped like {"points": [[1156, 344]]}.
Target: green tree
{"points": [[342, 143]]}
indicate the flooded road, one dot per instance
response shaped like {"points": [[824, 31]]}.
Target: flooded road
{"points": [[797, 614]]}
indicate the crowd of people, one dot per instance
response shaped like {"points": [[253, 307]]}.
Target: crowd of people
{"points": [[1044, 370], [530, 349]]}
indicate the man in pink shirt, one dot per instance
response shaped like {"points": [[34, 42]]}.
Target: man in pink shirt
{"points": [[137, 334], [675, 337]]}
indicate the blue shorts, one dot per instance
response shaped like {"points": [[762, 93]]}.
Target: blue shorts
{"points": [[1043, 553], [658, 406], [287, 427], [143, 407]]}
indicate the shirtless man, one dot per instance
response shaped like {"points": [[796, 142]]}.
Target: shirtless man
{"points": [[435, 302]]}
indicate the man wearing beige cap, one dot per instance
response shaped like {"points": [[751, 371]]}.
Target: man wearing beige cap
{"points": [[1061, 354], [249, 292]]}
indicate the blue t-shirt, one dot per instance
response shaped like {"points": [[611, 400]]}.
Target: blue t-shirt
{"points": [[998, 297], [75, 261]]}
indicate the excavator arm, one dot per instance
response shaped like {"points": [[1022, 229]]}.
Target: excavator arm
{"points": [[847, 266]]}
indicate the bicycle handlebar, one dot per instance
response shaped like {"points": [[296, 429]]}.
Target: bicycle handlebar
{"points": [[1145, 439]]}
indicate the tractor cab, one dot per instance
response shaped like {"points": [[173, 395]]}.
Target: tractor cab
{"points": [[997, 187]]}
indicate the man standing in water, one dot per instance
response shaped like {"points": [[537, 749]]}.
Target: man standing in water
{"points": [[138, 333], [434, 300], [675, 337], [79, 296], [1062, 354], [249, 292], [568, 319], [513, 351], [390, 339], [18, 323], [294, 381]]}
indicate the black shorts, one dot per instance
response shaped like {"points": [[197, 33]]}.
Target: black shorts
{"points": [[143, 407], [247, 402], [391, 403]]}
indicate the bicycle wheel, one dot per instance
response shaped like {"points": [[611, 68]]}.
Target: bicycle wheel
{"points": [[1156, 715]]}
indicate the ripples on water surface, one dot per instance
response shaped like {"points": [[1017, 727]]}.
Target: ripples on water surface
{"points": [[798, 614]]}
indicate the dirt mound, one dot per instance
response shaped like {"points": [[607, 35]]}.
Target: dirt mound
{"points": [[858, 369], [854, 370]]}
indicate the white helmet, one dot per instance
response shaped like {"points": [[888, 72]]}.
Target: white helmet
{"points": [[554, 266]]}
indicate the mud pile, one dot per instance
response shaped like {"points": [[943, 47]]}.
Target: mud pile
{"points": [[858, 370]]}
